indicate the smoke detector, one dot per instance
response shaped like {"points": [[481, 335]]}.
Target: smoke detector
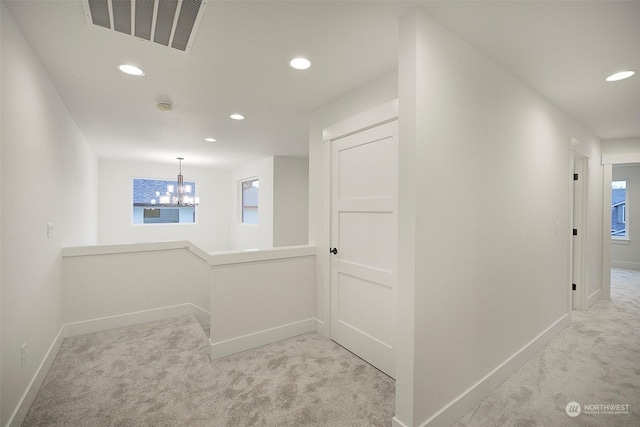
{"points": [[164, 106]]}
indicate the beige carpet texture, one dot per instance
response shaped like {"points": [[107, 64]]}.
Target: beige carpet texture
{"points": [[160, 374]]}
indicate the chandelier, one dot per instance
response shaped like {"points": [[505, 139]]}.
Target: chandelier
{"points": [[177, 195]]}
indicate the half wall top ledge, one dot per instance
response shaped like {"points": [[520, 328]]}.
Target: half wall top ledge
{"points": [[213, 258]]}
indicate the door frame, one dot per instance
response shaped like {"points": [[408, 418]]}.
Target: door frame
{"points": [[608, 160], [370, 118], [580, 156]]}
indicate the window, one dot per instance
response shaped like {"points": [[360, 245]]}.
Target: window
{"points": [[250, 201], [155, 202], [619, 209]]}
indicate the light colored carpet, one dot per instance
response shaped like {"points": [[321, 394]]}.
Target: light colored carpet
{"points": [[160, 374], [594, 361]]}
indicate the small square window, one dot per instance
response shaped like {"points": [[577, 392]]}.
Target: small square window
{"points": [[250, 201]]}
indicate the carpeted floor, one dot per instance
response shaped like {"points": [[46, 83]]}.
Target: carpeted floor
{"points": [[594, 361], [159, 374]]}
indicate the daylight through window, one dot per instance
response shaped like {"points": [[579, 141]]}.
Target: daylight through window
{"points": [[154, 202], [619, 209], [250, 201]]}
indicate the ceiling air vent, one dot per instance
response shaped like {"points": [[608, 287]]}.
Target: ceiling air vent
{"points": [[168, 22]]}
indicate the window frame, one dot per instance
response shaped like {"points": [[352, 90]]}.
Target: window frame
{"points": [[625, 212], [173, 181], [241, 205]]}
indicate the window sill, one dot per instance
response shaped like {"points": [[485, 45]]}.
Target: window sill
{"points": [[620, 241]]}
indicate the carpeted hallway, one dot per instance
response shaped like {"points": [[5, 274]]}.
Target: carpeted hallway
{"points": [[159, 374], [594, 361]]}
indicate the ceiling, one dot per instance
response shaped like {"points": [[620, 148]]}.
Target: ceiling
{"points": [[239, 63]]}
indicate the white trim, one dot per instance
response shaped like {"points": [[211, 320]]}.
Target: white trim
{"points": [[580, 148], [238, 257], [594, 297], [213, 259], [397, 423], [617, 159], [258, 339], [321, 328], [620, 240], [580, 153], [457, 408], [325, 256], [607, 174], [29, 395], [90, 326], [626, 264], [373, 117], [128, 319], [134, 247]]}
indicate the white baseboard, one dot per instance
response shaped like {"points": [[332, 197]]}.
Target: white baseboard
{"points": [[594, 297], [127, 319], [397, 423], [322, 328], [626, 264], [96, 325], [258, 339], [456, 409], [29, 395]]}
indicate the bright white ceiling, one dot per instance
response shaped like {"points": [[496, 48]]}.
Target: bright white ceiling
{"points": [[239, 63]]}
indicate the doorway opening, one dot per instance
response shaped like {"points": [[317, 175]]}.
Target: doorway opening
{"points": [[626, 166]]}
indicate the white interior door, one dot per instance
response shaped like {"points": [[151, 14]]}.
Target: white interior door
{"points": [[364, 235]]}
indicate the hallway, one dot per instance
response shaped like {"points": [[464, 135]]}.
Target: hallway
{"points": [[593, 362]]}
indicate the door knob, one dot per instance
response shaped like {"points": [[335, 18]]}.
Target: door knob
{"points": [[334, 251]]}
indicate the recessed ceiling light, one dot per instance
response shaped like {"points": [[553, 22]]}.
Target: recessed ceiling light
{"points": [[210, 139], [620, 76], [131, 69], [237, 116], [300, 63]]}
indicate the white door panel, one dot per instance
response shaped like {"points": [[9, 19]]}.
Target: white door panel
{"points": [[369, 314], [364, 231], [369, 179], [364, 238]]}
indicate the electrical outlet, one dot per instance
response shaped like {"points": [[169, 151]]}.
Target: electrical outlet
{"points": [[49, 230], [23, 354]]}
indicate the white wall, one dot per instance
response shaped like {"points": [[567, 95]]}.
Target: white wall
{"points": [[626, 254], [290, 201], [621, 146], [43, 154], [211, 232], [483, 153], [121, 283], [253, 297], [251, 236], [369, 96]]}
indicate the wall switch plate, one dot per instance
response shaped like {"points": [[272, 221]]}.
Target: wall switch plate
{"points": [[23, 354], [49, 230]]}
